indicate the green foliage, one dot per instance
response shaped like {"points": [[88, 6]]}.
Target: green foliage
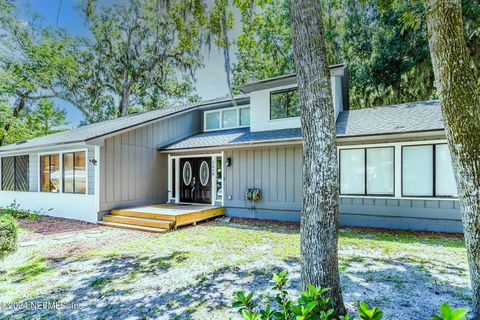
{"points": [[8, 235], [366, 313], [16, 211], [313, 304], [446, 313], [33, 61], [384, 42]]}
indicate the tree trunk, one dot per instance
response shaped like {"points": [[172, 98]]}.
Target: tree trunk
{"points": [[123, 106], [456, 85], [319, 222]]}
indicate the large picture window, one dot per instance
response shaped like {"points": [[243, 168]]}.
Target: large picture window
{"points": [[50, 175], [15, 175], [227, 118], [74, 172], [427, 171], [367, 171], [284, 104]]}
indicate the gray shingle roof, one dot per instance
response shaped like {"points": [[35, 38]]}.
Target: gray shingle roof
{"points": [[402, 118], [99, 129], [234, 137]]}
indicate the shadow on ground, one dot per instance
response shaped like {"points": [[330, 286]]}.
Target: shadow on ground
{"points": [[362, 279]]}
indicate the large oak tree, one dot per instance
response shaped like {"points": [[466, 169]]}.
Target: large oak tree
{"points": [[456, 84], [320, 208]]}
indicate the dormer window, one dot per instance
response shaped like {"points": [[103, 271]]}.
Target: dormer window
{"points": [[284, 104], [227, 118]]}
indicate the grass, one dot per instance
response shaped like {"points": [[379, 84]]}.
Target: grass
{"points": [[192, 273]]}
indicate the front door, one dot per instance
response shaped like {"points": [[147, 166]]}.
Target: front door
{"points": [[195, 180]]}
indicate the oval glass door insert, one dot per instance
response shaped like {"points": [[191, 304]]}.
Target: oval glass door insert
{"points": [[187, 173], [204, 173]]}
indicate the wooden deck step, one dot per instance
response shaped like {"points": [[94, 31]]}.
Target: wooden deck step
{"points": [[145, 222], [131, 227], [145, 215]]}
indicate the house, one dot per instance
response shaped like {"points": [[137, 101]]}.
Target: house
{"points": [[394, 164]]}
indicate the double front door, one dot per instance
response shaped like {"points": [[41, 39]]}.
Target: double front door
{"points": [[196, 180]]}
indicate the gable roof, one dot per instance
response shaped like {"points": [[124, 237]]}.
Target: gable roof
{"points": [[97, 130], [402, 118]]}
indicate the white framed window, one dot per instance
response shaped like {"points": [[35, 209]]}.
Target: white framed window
{"points": [[352, 171], [427, 171], [367, 171], [445, 184], [64, 172], [226, 118], [380, 171]]}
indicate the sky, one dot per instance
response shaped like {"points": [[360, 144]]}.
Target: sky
{"points": [[211, 79]]}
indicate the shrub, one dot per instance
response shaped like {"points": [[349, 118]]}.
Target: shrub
{"points": [[8, 235], [313, 304], [446, 313], [16, 211]]}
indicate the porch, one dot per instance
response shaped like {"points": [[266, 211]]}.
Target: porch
{"points": [[160, 217]]}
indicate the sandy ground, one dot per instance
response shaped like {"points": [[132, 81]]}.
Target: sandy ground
{"points": [[194, 272]]}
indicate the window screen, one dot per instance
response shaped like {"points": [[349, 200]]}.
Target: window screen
{"points": [[15, 173]]}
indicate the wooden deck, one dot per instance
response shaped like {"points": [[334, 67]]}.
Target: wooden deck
{"points": [[160, 217]]}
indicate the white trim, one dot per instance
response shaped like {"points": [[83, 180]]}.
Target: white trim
{"points": [[221, 111], [169, 175], [96, 189], [223, 177], [177, 179], [213, 174], [213, 178], [55, 147], [60, 154]]}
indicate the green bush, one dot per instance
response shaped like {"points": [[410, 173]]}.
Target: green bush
{"points": [[313, 304], [446, 313], [17, 212], [8, 235]]}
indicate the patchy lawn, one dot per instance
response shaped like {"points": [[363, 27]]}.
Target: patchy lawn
{"points": [[193, 273]]}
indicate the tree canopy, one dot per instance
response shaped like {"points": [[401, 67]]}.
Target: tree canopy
{"points": [[384, 44]]}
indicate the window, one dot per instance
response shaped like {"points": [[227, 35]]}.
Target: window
{"points": [[212, 120], [227, 118], [367, 171], [244, 117], [352, 171], [74, 172], [445, 184], [380, 171], [284, 104], [50, 173], [15, 173], [427, 171]]}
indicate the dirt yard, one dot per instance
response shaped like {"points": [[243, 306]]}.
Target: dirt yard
{"points": [[75, 270]]}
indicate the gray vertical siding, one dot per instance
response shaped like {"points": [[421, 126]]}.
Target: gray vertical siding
{"points": [[277, 171], [132, 171], [91, 170]]}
